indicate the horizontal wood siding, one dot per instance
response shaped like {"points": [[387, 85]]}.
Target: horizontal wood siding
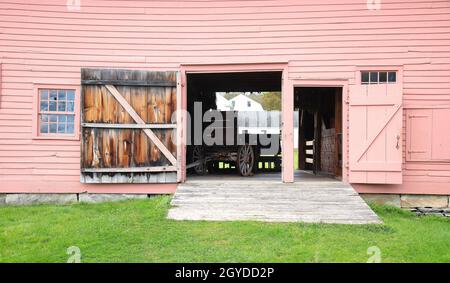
{"points": [[44, 42]]}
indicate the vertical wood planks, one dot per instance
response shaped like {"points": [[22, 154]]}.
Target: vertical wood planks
{"points": [[173, 120], [124, 147], [338, 137], [140, 122], [375, 123], [124, 136], [139, 104], [375, 117]]}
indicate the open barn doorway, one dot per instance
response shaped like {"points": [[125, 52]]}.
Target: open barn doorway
{"points": [[318, 132], [234, 125]]}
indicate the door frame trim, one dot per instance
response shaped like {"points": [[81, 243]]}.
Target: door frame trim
{"points": [[287, 107], [333, 83]]}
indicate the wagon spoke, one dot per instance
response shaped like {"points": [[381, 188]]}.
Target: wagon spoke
{"points": [[245, 160], [197, 155]]}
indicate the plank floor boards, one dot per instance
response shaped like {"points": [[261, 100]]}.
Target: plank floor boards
{"points": [[311, 200]]}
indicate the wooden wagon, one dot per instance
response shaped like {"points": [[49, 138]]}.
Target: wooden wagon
{"points": [[223, 143]]}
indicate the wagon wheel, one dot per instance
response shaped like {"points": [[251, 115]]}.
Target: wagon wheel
{"points": [[197, 154], [246, 160], [212, 166]]}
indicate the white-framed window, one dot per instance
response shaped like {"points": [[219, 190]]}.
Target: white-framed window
{"points": [[249, 103], [56, 112]]}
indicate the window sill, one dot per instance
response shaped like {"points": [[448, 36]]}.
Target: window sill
{"points": [[49, 137], [436, 161]]}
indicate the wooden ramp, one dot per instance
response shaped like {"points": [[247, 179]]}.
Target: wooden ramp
{"points": [[313, 200]]}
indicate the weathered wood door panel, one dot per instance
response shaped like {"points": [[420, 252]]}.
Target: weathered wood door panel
{"points": [[128, 126], [375, 134]]}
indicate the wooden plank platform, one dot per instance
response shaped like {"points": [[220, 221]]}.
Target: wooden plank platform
{"points": [[312, 200]]}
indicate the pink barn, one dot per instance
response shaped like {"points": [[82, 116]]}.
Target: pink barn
{"points": [[94, 83]]}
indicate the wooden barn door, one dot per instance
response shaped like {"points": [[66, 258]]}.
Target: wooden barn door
{"points": [[128, 126], [375, 134]]}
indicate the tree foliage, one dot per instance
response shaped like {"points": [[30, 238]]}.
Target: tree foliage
{"points": [[271, 101]]}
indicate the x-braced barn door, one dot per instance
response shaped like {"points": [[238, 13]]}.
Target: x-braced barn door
{"points": [[129, 127], [375, 133]]}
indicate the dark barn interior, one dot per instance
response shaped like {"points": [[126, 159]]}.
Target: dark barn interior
{"points": [[319, 129], [202, 87]]}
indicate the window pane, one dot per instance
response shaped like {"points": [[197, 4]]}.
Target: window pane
{"points": [[70, 95], [60, 100], [365, 77], [53, 128], [43, 94], [383, 77], [43, 106], [374, 77], [61, 95], [53, 94], [52, 106], [44, 118], [70, 129], [392, 77], [62, 118], [62, 106], [43, 128], [70, 106], [53, 118], [61, 128]]}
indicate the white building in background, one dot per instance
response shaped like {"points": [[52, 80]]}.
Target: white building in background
{"points": [[222, 103], [244, 103]]}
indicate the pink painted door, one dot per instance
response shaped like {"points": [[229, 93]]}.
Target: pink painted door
{"points": [[419, 125], [375, 133]]}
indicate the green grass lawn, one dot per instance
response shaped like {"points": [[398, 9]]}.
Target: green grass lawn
{"points": [[137, 231]]}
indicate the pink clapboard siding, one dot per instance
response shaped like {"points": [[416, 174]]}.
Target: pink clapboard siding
{"points": [[43, 42]]}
